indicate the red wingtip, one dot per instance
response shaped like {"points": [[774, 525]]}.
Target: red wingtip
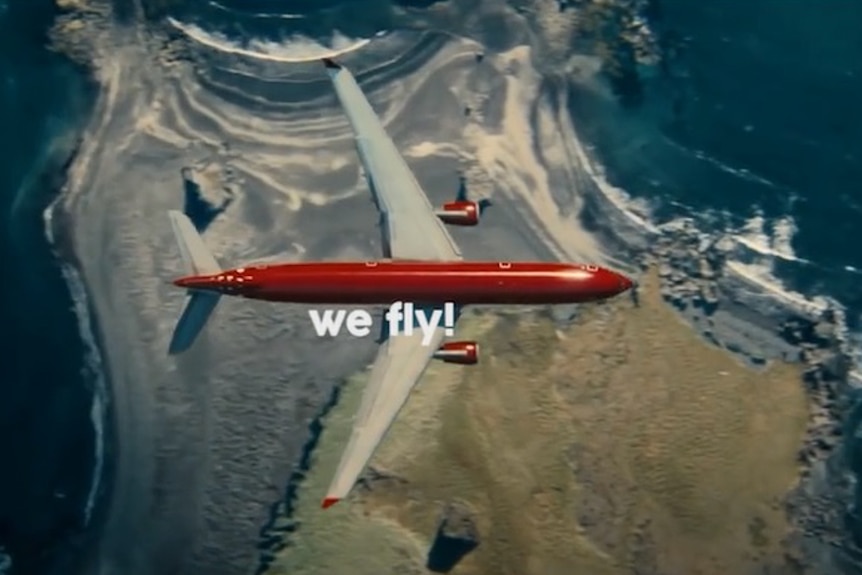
{"points": [[329, 502]]}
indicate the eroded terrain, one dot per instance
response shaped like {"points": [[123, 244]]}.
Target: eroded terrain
{"points": [[618, 445]]}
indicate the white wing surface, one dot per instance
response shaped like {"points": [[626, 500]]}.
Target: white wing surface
{"points": [[410, 227], [411, 231], [400, 364]]}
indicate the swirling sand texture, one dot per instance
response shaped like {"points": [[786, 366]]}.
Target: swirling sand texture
{"points": [[204, 443]]}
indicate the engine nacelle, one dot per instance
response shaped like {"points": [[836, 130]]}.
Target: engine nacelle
{"points": [[461, 352], [460, 213]]}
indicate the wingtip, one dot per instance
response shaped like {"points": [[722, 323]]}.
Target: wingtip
{"points": [[330, 63], [175, 349], [329, 502]]}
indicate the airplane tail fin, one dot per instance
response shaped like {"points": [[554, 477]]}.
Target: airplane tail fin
{"points": [[198, 261]]}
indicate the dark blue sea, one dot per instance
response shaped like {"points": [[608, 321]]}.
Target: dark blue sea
{"points": [[755, 113], [46, 437]]}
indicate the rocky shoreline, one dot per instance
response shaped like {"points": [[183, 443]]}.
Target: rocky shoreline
{"points": [[274, 535], [696, 281]]}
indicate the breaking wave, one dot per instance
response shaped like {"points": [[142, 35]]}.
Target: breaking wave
{"points": [[769, 238], [93, 370], [755, 247], [296, 48], [94, 373]]}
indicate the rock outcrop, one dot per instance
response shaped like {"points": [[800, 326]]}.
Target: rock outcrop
{"points": [[376, 479], [689, 265], [697, 281], [457, 535]]}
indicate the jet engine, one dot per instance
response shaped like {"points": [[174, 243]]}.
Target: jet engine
{"points": [[462, 212], [461, 352]]}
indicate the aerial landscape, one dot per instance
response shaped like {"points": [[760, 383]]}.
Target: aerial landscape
{"points": [[704, 422]]}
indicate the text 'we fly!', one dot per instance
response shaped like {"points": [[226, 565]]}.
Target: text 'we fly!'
{"points": [[403, 318]]}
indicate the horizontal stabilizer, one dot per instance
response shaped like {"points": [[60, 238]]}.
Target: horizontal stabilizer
{"points": [[199, 307], [198, 261]]}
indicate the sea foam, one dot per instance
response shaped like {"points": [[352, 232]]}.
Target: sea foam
{"points": [[93, 370], [295, 49]]}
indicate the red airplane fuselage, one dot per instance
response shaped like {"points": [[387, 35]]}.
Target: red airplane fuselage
{"points": [[384, 282]]}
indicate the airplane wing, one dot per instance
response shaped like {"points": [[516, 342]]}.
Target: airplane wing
{"points": [[400, 364], [411, 231]]}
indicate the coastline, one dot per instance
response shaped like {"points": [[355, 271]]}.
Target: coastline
{"points": [[58, 234], [756, 335], [605, 208], [50, 447], [703, 273], [631, 446]]}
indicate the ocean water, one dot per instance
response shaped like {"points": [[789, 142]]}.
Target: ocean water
{"points": [[275, 20], [753, 126], [46, 437]]}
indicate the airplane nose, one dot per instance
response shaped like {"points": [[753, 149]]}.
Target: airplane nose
{"points": [[626, 283]]}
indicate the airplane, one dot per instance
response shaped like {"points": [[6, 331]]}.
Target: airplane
{"points": [[422, 264]]}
